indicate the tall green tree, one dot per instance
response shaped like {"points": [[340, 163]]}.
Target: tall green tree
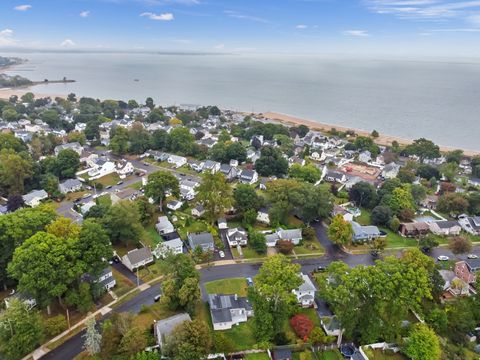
{"points": [[340, 231], [119, 141], [94, 247], [66, 164], [122, 223], [246, 198], [15, 169], [159, 184], [189, 340], [423, 148], [92, 337], [308, 173], [271, 162], [423, 344], [21, 330], [215, 194]]}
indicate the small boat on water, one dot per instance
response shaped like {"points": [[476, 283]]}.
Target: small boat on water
{"points": [[136, 80]]}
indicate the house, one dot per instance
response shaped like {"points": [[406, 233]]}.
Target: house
{"points": [[75, 146], [474, 181], [164, 226], [187, 189], [282, 354], [102, 166], [177, 161], [70, 185], [222, 224], [248, 177], [315, 156], [34, 197], [364, 233], [174, 205], [203, 240], [253, 156], [335, 176], [228, 310], [195, 165], [390, 171], [430, 202], [453, 286], [174, 235], [124, 169], [237, 237], [296, 160], [125, 194], [473, 264], [257, 141], [163, 328], [365, 156], [211, 166], [464, 271], [29, 301], [263, 217], [414, 229], [470, 224], [292, 235], [228, 171], [306, 292], [234, 163], [198, 211], [106, 279], [137, 258], [445, 228], [174, 246], [340, 210]]}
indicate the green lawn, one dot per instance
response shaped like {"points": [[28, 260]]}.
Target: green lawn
{"points": [[365, 218], [242, 335], [330, 355], [151, 236], [227, 286], [136, 186], [123, 285], [105, 200], [107, 180], [257, 356], [304, 355], [395, 240], [380, 355], [309, 247], [248, 253]]}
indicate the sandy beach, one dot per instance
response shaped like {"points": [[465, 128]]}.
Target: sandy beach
{"points": [[6, 93], [383, 139]]}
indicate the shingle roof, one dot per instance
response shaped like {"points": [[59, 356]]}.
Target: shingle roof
{"points": [[139, 255], [200, 238]]}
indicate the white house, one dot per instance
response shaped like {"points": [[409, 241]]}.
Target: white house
{"points": [[124, 169], [177, 161], [365, 156], [248, 177], [187, 189], [137, 258], [236, 237], [470, 224], [103, 167], [211, 166], [263, 217], [34, 197], [390, 171], [334, 176], [445, 228], [292, 235], [228, 310], [164, 248], [75, 146], [70, 185], [198, 211], [106, 279], [164, 226], [306, 292], [174, 205]]}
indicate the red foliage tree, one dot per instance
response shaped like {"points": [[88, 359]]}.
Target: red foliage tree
{"points": [[285, 246], [302, 325]]}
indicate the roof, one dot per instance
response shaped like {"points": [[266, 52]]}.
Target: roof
{"points": [[171, 236], [35, 194], [220, 306], [172, 244], [200, 238], [126, 193], [446, 224], [163, 222], [199, 208], [71, 183], [473, 264], [210, 164], [307, 284], [247, 174], [290, 234], [166, 326], [139, 255], [282, 354], [419, 226]]}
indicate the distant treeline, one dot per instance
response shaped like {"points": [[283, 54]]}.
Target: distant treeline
{"points": [[7, 61], [13, 81]]}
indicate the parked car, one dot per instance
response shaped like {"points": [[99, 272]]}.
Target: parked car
{"points": [[320, 268], [221, 254], [146, 164], [108, 187], [472, 256], [249, 281], [443, 258], [120, 182], [157, 298]]}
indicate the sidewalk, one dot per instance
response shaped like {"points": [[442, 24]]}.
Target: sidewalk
{"points": [[43, 349]]}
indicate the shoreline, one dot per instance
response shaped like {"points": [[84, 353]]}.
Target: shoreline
{"points": [[383, 139]]}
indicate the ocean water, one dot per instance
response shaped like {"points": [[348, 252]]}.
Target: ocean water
{"points": [[437, 99]]}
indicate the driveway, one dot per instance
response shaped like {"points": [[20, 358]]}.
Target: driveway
{"points": [[122, 269]]}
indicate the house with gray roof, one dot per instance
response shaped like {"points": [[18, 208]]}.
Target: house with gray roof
{"points": [[237, 237], [163, 328], [75, 146], [228, 310], [211, 166], [306, 292], [174, 246], [164, 226], [203, 240], [228, 171], [470, 224], [390, 171], [70, 185], [34, 197], [137, 258], [292, 235], [248, 177], [445, 228], [364, 233]]}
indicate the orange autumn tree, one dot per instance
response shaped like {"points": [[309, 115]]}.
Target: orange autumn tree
{"points": [[302, 325]]}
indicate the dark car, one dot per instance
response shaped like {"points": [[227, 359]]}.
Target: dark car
{"points": [[108, 187], [157, 298], [120, 183], [320, 268]]}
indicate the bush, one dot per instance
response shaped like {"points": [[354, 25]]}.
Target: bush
{"points": [[460, 245], [55, 325], [406, 214], [302, 325], [285, 246], [381, 215], [309, 234]]}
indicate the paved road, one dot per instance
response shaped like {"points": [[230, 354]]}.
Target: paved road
{"points": [[74, 346]]}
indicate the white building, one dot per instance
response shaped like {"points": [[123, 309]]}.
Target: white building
{"points": [[33, 198], [237, 237], [168, 247], [228, 310], [306, 292], [177, 161], [137, 258]]}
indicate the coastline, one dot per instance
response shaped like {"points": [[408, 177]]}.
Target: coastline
{"points": [[383, 139]]}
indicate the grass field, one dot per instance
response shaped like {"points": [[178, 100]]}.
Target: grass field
{"points": [[309, 247], [123, 285], [242, 335], [248, 253], [257, 356], [227, 286], [380, 355], [107, 180], [330, 355]]}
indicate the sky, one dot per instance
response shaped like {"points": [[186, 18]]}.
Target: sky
{"points": [[396, 27]]}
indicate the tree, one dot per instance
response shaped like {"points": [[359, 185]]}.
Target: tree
{"points": [[149, 103], [406, 175], [340, 231], [14, 203], [45, 266], [92, 337], [381, 215], [272, 296], [223, 343], [189, 340], [419, 193], [423, 344], [21, 330], [318, 337], [246, 198], [426, 171], [215, 194], [9, 114], [139, 139], [67, 163], [133, 341], [460, 245], [427, 243], [189, 294], [159, 183], [452, 203], [181, 141], [51, 117], [375, 134], [449, 170], [257, 241], [119, 141], [14, 170], [400, 199], [63, 228], [94, 247], [160, 140], [308, 173], [363, 143], [285, 247], [271, 162], [122, 223], [302, 325], [249, 218], [9, 141], [363, 194], [424, 149], [474, 203], [55, 325]]}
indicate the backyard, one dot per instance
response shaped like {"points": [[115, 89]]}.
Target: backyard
{"points": [[383, 355], [227, 286]]}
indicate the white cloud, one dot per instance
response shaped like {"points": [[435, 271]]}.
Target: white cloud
{"points": [[85, 13], [158, 17], [301, 26], [6, 37], [236, 15], [23, 7], [357, 33], [67, 43], [219, 46]]}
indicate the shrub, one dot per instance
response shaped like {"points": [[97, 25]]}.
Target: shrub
{"points": [[460, 245], [55, 325], [309, 233], [285, 246], [302, 325]]}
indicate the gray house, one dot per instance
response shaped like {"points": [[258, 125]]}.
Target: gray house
{"points": [[70, 185], [163, 328], [364, 233], [228, 310], [203, 240]]}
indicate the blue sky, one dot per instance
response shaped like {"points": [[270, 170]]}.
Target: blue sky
{"points": [[403, 27]]}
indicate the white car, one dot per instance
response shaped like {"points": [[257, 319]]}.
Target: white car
{"points": [[221, 254], [472, 256], [443, 258]]}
